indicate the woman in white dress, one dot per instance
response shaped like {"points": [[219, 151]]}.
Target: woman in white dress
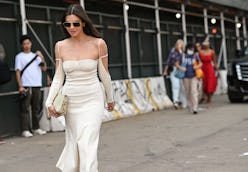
{"points": [[79, 58]]}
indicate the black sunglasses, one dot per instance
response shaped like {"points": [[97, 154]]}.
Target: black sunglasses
{"points": [[68, 24]]}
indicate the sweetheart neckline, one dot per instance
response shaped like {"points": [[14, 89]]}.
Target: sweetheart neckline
{"points": [[80, 60]]}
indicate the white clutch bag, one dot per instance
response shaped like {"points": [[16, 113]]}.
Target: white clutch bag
{"points": [[60, 103]]}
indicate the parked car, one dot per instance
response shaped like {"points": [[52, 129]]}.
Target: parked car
{"points": [[237, 77]]}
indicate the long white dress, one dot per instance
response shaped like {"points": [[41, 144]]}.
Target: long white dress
{"points": [[83, 118], [85, 109]]}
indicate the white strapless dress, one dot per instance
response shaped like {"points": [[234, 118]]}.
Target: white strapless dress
{"points": [[84, 116]]}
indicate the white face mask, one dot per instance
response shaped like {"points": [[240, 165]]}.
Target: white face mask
{"points": [[190, 52]]}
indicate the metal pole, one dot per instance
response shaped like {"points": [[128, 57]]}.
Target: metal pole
{"points": [[127, 40], [244, 32], [184, 24], [23, 17], [39, 41], [237, 33], [205, 13], [223, 39], [160, 63], [82, 3], [50, 35]]}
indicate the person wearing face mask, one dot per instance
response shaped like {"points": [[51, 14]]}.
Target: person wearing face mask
{"points": [[178, 93], [190, 81]]}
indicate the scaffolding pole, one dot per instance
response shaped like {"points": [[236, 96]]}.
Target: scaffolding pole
{"points": [[244, 31], [82, 3], [23, 17], [223, 39], [127, 40], [40, 42], [184, 24], [237, 33], [160, 63], [205, 13]]}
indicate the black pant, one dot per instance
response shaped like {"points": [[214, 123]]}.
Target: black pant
{"points": [[33, 97]]}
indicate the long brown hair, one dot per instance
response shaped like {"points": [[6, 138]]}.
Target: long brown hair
{"points": [[77, 10]]}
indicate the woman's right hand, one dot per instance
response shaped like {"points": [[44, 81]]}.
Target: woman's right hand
{"points": [[52, 111], [183, 69], [111, 106]]}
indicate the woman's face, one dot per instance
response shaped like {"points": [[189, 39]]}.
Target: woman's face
{"points": [[198, 46], [205, 47], [73, 25], [180, 46]]}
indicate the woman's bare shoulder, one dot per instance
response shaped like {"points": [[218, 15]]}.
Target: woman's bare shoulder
{"points": [[101, 42], [62, 42], [206, 52], [96, 40]]}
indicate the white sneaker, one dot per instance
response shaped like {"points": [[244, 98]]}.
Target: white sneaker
{"points": [[176, 106], [27, 134], [40, 131]]}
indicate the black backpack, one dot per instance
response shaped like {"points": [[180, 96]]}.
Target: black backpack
{"points": [[5, 73]]}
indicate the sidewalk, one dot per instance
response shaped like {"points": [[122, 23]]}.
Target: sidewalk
{"points": [[169, 140]]}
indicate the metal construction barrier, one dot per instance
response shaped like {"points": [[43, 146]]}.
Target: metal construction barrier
{"points": [[158, 92], [132, 97], [222, 83], [138, 96]]}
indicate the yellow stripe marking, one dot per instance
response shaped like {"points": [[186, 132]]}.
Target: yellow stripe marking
{"points": [[116, 114], [149, 93], [130, 96]]}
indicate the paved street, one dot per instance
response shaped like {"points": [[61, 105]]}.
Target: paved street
{"points": [[215, 140]]}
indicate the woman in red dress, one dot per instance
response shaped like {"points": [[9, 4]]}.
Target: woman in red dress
{"points": [[209, 66]]}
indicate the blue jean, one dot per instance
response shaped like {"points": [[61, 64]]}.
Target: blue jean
{"points": [[178, 92]]}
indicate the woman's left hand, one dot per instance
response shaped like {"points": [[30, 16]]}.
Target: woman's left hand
{"points": [[183, 69], [217, 73], [111, 106]]}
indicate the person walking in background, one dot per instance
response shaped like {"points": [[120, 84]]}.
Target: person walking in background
{"points": [[197, 47], [209, 66], [178, 93], [79, 57], [29, 67], [190, 81], [201, 95]]}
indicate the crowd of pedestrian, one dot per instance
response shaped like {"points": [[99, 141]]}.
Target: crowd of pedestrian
{"points": [[182, 64]]}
